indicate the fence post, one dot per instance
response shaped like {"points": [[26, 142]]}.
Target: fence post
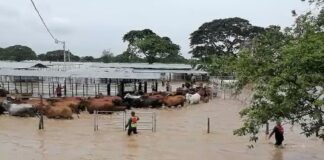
{"points": [[49, 89], [41, 119], [124, 120], [76, 89], [98, 88], [208, 125], [94, 120], [83, 89], [65, 87], [32, 87], [267, 128], [154, 122], [108, 89], [145, 87], [41, 122], [20, 84]]}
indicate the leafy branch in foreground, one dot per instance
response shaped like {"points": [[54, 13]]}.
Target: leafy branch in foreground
{"points": [[287, 71]]}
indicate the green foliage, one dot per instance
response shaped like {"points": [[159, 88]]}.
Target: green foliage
{"points": [[222, 37], [17, 53], [128, 57], [58, 56], [287, 71], [149, 44], [217, 43], [107, 57], [318, 2], [88, 59], [174, 58]]}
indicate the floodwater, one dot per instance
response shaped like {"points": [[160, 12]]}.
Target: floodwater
{"points": [[180, 135]]}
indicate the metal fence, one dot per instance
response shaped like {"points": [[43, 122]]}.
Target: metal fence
{"points": [[118, 119]]}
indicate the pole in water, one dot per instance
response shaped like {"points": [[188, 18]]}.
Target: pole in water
{"points": [[41, 119], [94, 120], [208, 125], [41, 122], [267, 128]]}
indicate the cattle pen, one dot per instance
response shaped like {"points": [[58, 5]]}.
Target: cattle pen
{"points": [[31, 79]]}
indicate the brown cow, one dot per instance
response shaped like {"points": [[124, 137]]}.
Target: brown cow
{"points": [[205, 94], [63, 112], [105, 104], [170, 101]]}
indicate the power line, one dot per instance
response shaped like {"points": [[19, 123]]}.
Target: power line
{"points": [[56, 41], [43, 20]]}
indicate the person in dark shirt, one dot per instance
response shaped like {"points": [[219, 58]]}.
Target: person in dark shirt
{"points": [[132, 124], [278, 131], [59, 91]]}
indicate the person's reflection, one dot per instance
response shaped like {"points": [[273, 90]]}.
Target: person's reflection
{"points": [[132, 146], [277, 154], [42, 146]]}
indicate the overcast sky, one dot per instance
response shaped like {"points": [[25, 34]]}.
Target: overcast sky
{"points": [[90, 26]]}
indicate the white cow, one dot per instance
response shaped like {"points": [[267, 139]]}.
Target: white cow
{"points": [[22, 110], [193, 98], [128, 95]]}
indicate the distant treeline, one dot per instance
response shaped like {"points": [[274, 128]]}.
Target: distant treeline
{"points": [[21, 53]]}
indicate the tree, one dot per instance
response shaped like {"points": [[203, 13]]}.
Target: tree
{"points": [[287, 72], [149, 44], [177, 58], [107, 56], [222, 37], [17, 53], [216, 44], [128, 57], [87, 59], [58, 56]]}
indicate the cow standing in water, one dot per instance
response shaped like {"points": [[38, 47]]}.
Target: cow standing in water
{"points": [[21, 110], [175, 101]]}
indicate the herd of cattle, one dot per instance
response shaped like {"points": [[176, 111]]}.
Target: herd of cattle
{"points": [[63, 108]]}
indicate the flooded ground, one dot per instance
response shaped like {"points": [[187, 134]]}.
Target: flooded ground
{"points": [[181, 135]]}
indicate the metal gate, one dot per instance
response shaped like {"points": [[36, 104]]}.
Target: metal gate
{"points": [[118, 120]]}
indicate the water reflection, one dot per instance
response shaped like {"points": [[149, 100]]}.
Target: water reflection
{"points": [[277, 154]]}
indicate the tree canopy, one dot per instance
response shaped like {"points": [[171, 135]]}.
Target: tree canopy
{"points": [[58, 56], [149, 44], [287, 72], [222, 37], [215, 44], [17, 53]]}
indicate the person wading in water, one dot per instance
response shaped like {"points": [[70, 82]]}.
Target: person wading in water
{"points": [[278, 131], [132, 124]]}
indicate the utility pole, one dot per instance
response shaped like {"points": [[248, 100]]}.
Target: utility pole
{"points": [[63, 42], [69, 55]]}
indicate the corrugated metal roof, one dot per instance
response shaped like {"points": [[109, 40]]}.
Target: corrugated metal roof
{"points": [[28, 64], [82, 73], [94, 70], [112, 73], [170, 71], [141, 65]]}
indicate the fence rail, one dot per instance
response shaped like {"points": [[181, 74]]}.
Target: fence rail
{"points": [[118, 120]]}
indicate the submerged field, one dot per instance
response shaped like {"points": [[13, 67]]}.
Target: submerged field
{"points": [[181, 134]]}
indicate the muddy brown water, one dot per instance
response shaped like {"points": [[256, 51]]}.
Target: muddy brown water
{"points": [[181, 134]]}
